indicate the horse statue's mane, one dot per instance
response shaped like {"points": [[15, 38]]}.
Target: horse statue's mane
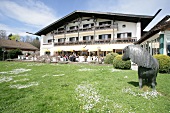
{"points": [[141, 57]]}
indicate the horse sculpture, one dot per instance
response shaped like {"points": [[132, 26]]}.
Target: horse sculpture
{"points": [[148, 66]]}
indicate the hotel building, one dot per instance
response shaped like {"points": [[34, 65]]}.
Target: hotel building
{"points": [[92, 33]]}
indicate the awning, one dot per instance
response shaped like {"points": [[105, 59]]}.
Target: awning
{"points": [[46, 50], [59, 50], [92, 49], [106, 49]]}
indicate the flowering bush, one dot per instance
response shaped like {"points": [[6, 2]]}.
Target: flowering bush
{"points": [[118, 63], [109, 58], [164, 63]]}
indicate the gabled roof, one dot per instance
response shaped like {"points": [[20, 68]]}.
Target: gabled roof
{"points": [[12, 44], [160, 26], [144, 19]]}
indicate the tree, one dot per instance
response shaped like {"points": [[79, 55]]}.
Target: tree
{"points": [[28, 39], [3, 34], [36, 42], [9, 35], [15, 37], [14, 53]]}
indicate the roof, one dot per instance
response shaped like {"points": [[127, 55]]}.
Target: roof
{"points": [[144, 19], [160, 26], [12, 44]]}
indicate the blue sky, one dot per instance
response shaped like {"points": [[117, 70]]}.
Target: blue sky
{"points": [[20, 16]]}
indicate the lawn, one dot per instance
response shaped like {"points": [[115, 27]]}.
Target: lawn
{"points": [[78, 88]]}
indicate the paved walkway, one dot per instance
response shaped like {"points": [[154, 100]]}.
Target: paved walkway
{"points": [[134, 67]]}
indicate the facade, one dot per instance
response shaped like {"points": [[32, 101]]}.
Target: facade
{"points": [[92, 33], [157, 40]]}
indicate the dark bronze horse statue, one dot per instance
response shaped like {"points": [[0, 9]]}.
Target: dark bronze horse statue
{"points": [[148, 66]]}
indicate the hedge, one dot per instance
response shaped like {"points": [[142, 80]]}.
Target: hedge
{"points": [[164, 63], [109, 58], [118, 63], [14, 53]]}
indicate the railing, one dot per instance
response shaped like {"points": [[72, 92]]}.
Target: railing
{"points": [[101, 27], [129, 39], [47, 43], [100, 41]]}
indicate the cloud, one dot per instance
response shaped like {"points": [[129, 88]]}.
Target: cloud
{"points": [[29, 12], [139, 7], [14, 30], [130, 6]]}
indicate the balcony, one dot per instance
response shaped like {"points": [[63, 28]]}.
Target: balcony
{"points": [[100, 41], [47, 43], [107, 26], [100, 27], [129, 39]]}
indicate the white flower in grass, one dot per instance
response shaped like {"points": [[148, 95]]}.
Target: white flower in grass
{"points": [[87, 95], [5, 79], [85, 69], [24, 75], [3, 72], [126, 77], [20, 86], [35, 64], [59, 75], [147, 94], [25, 79], [17, 71], [115, 70]]}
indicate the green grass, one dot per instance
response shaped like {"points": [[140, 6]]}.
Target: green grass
{"points": [[78, 88]]}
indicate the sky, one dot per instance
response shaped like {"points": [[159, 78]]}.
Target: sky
{"points": [[21, 16]]}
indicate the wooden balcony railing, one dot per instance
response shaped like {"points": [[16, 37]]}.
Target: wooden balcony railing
{"points": [[101, 27], [100, 41]]}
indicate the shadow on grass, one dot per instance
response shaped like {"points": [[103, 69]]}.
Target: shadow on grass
{"points": [[136, 84]]}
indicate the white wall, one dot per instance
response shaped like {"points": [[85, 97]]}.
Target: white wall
{"points": [[134, 28], [130, 27]]}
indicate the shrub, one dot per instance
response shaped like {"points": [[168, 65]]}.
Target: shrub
{"points": [[14, 53], [164, 63], [109, 58], [118, 63]]}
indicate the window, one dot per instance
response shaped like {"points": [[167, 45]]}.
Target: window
{"points": [[77, 38], [61, 40], [85, 37], [105, 23], [73, 39], [88, 25], [129, 34], [92, 24], [124, 35], [73, 27], [60, 29], [100, 36], [105, 36], [119, 35], [88, 38], [50, 40], [85, 25], [92, 37]]}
